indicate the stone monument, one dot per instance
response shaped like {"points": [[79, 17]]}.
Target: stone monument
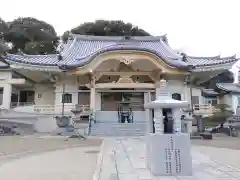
{"points": [[168, 154]]}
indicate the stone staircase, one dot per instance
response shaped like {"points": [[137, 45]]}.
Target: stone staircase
{"points": [[119, 129]]}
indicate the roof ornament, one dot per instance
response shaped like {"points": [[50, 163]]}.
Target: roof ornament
{"points": [[165, 39], [126, 60], [184, 56], [235, 71], [19, 52], [60, 58], [65, 37], [127, 37]]}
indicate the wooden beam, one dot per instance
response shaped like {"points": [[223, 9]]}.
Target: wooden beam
{"points": [[25, 77], [108, 73]]}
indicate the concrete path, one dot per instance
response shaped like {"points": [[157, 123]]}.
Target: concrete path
{"points": [[69, 164], [125, 159]]}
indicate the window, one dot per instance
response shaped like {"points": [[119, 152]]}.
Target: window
{"points": [[195, 100], [83, 88], [176, 96], [67, 98], [1, 96], [212, 101]]}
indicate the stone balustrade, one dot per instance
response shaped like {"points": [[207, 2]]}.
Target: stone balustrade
{"points": [[57, 109]]}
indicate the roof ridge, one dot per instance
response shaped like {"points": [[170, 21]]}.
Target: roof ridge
{"points": [[204, 57], [117, 38], [229, 57], [213, 57], [31, 55]]}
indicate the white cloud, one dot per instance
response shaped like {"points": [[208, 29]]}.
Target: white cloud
{"points": [[201, 27]]}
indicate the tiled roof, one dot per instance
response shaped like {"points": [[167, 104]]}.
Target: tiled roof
{"points": [[81, 49], [209, 92], [229, 87], [3, 64], [206, 61]]}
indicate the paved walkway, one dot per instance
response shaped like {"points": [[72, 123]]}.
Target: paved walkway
{"points": [[69, 164], [125, 159], [120, 159]]}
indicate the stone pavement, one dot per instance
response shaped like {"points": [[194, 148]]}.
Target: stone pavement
{"points": [[69, 164], [125, 159]]}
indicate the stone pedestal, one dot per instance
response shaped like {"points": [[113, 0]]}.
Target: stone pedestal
{"points": [[177, 120], [169, 154], [158, 121]]}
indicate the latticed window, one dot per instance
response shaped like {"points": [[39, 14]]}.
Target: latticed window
{"points": [[1, 96], [195, 100], [67, 98], [212, 101], [176, 96]]}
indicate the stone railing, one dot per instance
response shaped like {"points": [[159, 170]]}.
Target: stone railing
{"points": [[18, 104], [204, 109], [57, 109]]}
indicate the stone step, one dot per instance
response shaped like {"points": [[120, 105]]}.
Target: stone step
{"points": [[116, 122], [105, 128], [118, 127], [117, 133]]}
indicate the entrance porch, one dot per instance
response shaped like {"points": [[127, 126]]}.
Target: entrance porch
{"points": [[121, 105]]}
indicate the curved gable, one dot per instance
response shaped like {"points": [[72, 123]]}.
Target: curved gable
{"points": [[81, 50]]}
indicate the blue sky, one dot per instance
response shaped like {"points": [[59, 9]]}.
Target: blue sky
{"points": [[198, 27]]}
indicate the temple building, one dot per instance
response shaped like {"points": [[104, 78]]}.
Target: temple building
{"points": [[112, 75]]}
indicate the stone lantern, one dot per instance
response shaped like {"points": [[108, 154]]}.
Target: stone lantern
{"points": [[168, 154]]}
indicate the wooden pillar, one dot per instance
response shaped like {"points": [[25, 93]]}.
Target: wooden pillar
{"points": [[7, 94], [93, 95], [93, 99]]}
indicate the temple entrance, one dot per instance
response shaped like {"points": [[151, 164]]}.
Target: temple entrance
{"points": [[127, 105]]}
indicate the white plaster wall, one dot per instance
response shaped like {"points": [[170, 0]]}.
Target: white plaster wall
{"points": [[175, 86], [4, 75], [227, 99], [234, 104], [197, 92], [71, 87], [44, 95], [7, 92]]}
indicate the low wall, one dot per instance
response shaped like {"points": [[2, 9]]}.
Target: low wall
{"points": [[41, 123], [45, 124]]}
